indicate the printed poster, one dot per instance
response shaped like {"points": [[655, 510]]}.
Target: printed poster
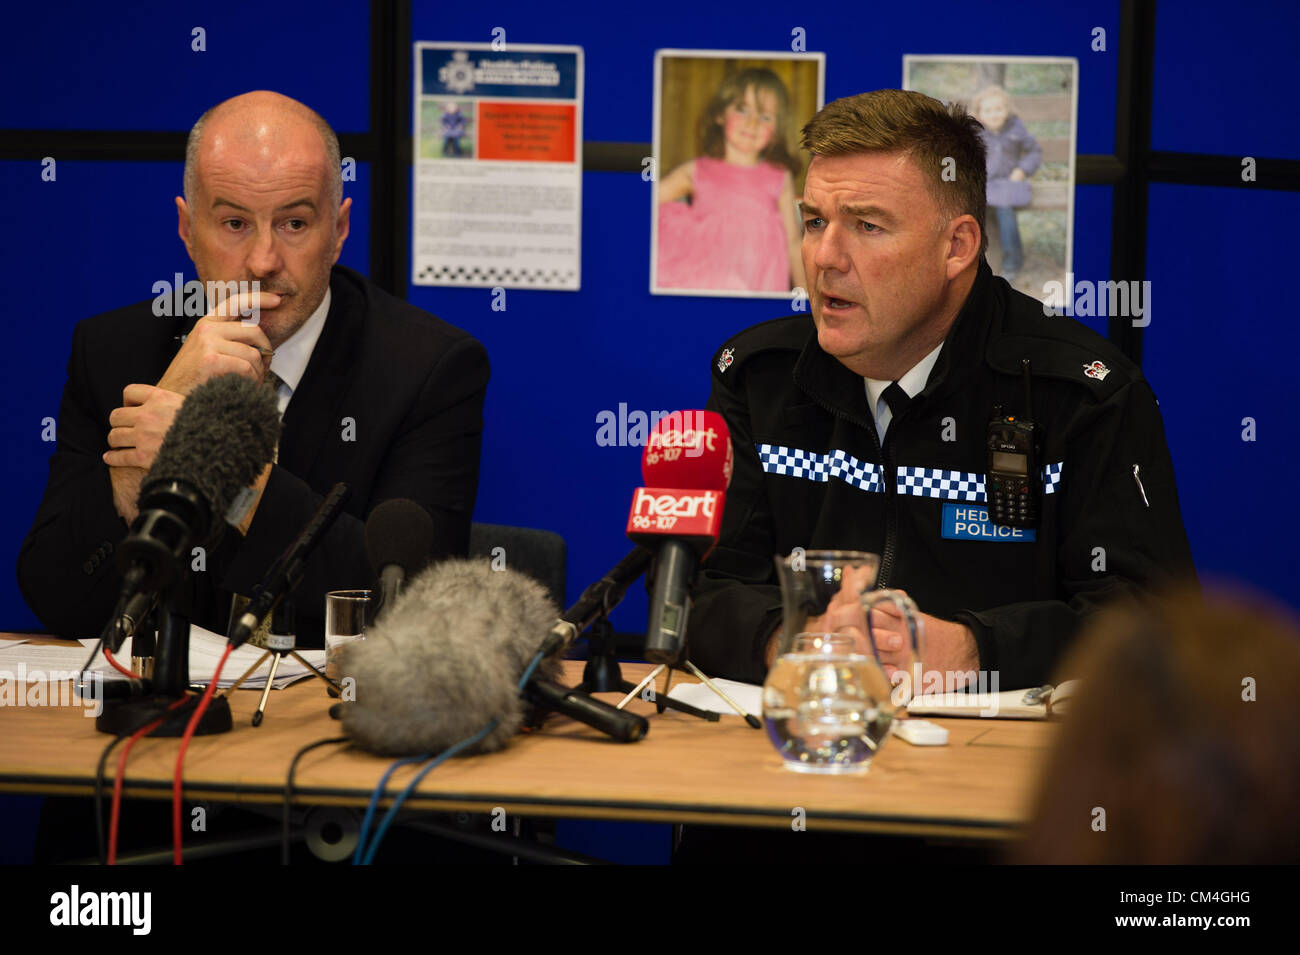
{"points": [[1028, 106], [498, 166]]}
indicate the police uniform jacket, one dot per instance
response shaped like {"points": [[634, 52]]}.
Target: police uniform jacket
{"points": [[810, 472]]}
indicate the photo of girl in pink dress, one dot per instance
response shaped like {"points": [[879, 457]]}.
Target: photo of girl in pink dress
{"points": [[727, 220]]}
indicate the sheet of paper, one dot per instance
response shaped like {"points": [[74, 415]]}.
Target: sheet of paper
{"points": [[206, 649], [749, 696], [36, 663], [1007, 705]]}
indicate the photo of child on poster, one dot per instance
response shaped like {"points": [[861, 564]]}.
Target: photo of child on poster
{"points": [[452, 127], [446, 129], [726, 219], [1027, 106]]}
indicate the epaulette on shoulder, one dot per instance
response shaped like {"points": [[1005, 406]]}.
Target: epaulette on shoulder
{"points": [[1061, 348], [778, 334]]}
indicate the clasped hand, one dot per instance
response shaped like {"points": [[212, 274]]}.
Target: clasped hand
{"points": [[944, 644], [219, 344]]}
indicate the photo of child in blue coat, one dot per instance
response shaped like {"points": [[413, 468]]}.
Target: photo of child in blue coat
{"points": [[1013, 156]]}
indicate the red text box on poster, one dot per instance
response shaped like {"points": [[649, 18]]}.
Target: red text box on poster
{"points": [[536, 132]]}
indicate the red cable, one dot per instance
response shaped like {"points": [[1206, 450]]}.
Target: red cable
{"points": [[180, 757], [118, 667], [117, 782]]}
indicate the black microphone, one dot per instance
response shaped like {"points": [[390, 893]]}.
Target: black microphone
{"points": [[609, 719], [219, 442], [597, 600], [446, 660], [399, 538], [287, 571]]}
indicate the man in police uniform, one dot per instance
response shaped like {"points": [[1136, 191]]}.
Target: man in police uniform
{"points": [[865, 427]]}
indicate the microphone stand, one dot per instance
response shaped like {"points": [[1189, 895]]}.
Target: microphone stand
{"points": [[280, 642], [603, 674], [170, 682], [662, 699], [666, 645]]}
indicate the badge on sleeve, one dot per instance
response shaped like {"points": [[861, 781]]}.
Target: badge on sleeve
{"points": [[1096, 370]]}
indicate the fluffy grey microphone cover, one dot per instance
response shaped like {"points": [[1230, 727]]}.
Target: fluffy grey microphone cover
{"points": [[219, 442], [445, 659]]}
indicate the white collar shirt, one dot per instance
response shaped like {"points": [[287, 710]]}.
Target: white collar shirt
{"points": [[912, 383]]}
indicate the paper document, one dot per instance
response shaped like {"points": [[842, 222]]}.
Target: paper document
{"points": [[35, 662], [1007, 705], [749, 696]]}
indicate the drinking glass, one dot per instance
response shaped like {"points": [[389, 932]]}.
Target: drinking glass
{"points": [[345, 621]]}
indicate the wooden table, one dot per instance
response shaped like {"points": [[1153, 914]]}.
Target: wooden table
{"points": [[685, 770]]}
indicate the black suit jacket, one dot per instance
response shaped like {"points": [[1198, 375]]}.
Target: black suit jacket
{"points": [[391, 402]]}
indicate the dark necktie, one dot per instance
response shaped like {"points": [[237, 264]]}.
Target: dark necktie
{"points": [[272, 381], [896, 398]]}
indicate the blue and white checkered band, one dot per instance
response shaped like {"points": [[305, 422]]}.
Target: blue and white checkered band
{"points": [[794, 462], [918, 482], [932, 482], [1052, 477]]}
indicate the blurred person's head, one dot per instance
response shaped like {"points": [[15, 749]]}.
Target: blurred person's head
{"points": [[1185, 733]]}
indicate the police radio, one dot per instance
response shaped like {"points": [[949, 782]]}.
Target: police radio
{"points": [[1013, 486]]}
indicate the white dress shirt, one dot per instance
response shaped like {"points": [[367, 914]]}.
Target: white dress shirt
{"points": [[291, 358]]}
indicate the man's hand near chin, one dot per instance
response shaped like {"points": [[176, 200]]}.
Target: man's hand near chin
{"points": [[221, 344]]}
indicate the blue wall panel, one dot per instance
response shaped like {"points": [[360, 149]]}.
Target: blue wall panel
{"points": [[1221, 347], [864, 48], [1224, 78], [131, 66]]}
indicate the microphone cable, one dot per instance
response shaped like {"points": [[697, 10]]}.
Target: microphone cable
{"points": [[288, 791], [99, 644], [99, 795], [120, 777], [450, 751], [118, 667], [180, 756]]}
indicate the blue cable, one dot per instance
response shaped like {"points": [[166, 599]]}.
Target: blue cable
{"points": [[374, 801], [528, 671], [446, 754], [401, 798]]}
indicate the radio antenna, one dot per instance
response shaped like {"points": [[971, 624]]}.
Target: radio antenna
{"points": [[1029, 411]]}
